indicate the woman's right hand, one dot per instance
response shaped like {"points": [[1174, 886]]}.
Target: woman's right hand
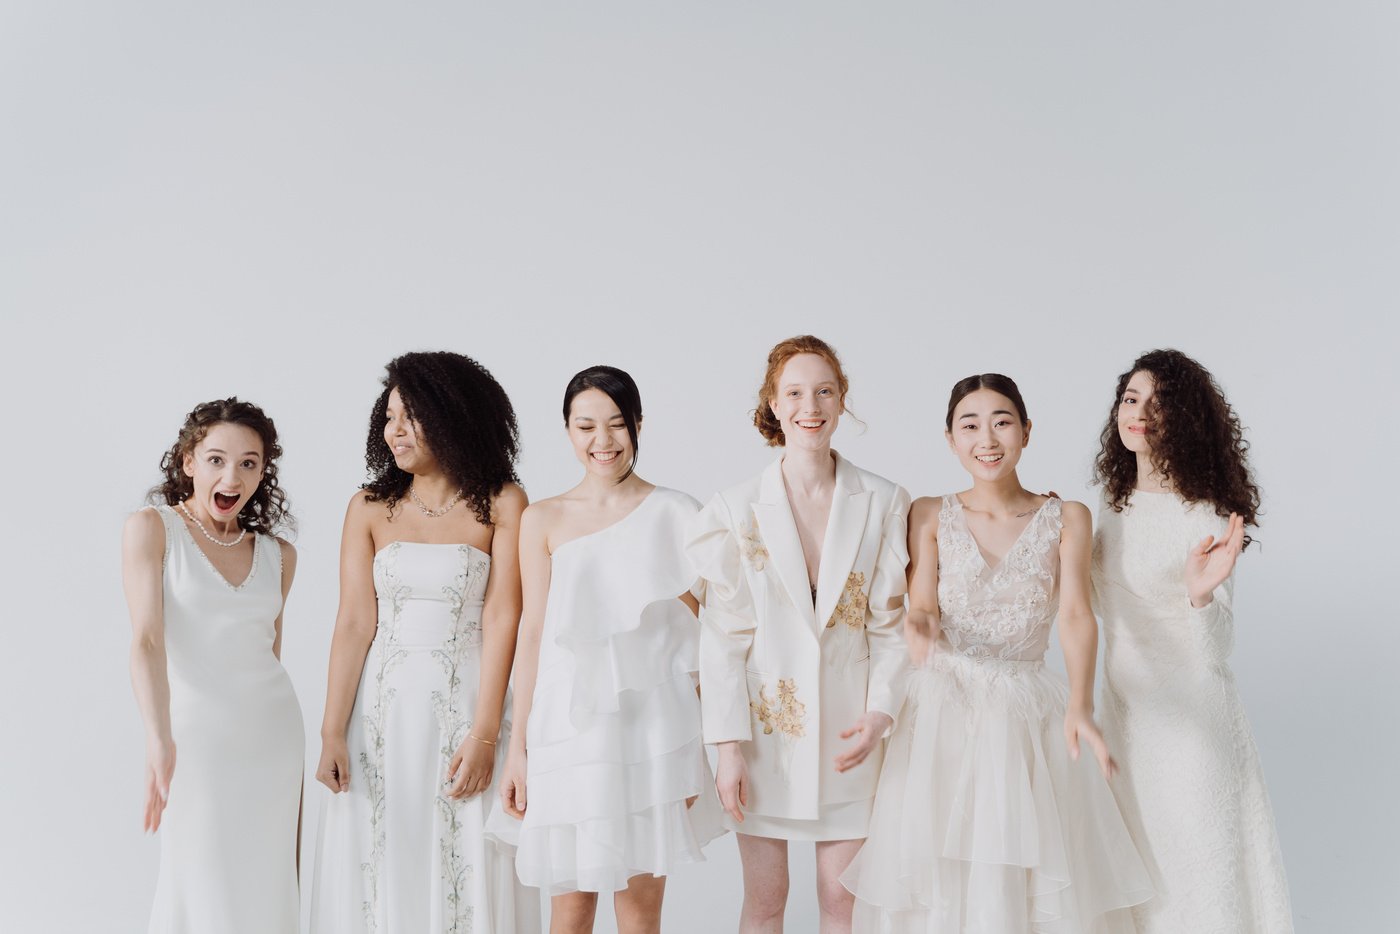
{"points": [[732, 780], [160, 768], [513, 784], [333, 770]]}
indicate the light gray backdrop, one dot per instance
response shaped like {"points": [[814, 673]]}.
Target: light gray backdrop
{"points": [[199, 200]]}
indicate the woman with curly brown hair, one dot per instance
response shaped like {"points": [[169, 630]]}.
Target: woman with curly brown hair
{"points": [[416, 712], [1178, 494], [801, 660], [205, 579]]}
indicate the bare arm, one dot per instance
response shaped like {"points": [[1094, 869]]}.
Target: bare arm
{"points": [[355, 624], [500, 617], [289, 571], [535, 572], [143, 548], [1079, 633], [922, 621]]}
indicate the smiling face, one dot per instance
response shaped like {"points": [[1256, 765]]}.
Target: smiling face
{"points": [[225, 467], [405, 438], [598, 433], [987, 434], [1135, 412], [807, 401]]}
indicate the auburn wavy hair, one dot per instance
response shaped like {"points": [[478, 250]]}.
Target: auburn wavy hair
{"points": [[462, 414], [763, 418], [268, 510], [1198, 443]]}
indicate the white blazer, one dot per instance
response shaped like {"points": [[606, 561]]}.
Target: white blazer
{"points": [[785, 678]]}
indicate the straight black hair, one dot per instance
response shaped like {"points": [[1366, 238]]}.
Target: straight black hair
{"points": [[993, 381], [621, 389]]}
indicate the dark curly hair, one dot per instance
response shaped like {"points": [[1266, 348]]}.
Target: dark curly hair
{"points": [[268, 510], [1197, 440], [464, 416], [763, 418], [618, 386]]}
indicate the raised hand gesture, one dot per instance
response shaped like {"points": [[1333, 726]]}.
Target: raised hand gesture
{"points": [[1211, 561]]}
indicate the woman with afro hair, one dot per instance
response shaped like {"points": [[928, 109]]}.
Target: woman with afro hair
{"points": [[1178, 494], [416, 712]]}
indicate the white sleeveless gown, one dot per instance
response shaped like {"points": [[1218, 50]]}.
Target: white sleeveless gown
{"points": [[229, 832], [983, 823], [1191, 786], [394, 854]]}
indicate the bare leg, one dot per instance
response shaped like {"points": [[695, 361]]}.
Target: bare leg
{"points": [[638, 906], [765, 884], [833, 856], [573, 913]]}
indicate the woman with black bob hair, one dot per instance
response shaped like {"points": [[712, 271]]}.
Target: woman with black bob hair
{"points": [[206, 578], [1178, 493], [416, 709], [606, 760]]}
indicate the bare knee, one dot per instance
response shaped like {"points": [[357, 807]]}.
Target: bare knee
{"points": [[834, 899], [766, 900], [638, 906], [573, 913]]}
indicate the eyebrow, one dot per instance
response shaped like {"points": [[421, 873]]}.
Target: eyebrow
{"points": [[994, 412], [825, 382], [222, 451]]}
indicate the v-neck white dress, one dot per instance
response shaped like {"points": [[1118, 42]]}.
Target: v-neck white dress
{"points": [[395, 854], [983, 823], [613, 743], [229, 832]]}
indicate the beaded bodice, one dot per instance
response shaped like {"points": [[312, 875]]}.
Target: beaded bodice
{"points": [[1002, 612]]}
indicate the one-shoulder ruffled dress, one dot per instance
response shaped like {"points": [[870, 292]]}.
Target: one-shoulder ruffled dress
{"points": [[613, 739]]}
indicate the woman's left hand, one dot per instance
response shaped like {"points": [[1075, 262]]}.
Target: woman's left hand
{"points": [[868, 731], [469, 772], [1211, 561], [1080, 726]]}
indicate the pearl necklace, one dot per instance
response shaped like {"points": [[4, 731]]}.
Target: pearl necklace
{"points": [[434, 513], [222, 544]]}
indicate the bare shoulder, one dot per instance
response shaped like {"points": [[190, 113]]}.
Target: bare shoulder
{"points": [[510, 504], [924, 511], [144, 532], [1076, 516], [289, 551], [542, 513]]}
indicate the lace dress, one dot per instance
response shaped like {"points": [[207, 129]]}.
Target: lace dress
{"points": [[983, 823], [1191, 786], [395, 854]]}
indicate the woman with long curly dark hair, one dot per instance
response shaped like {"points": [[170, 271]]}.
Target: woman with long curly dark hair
{"points": [[1178, 493], [205, 579], [416, 716]]}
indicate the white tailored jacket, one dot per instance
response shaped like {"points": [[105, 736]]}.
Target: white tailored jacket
{"points": [[779, 675]]}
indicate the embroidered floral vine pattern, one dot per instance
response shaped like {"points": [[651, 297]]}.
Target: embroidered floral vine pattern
{"points": [[751, 545], [786, 714], [453, 726], [852, 606], [386, 653]]}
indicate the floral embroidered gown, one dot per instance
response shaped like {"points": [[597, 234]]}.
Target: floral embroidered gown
{"points": [[229, 832], [394, 854], [1191, 785], [983, 823]]}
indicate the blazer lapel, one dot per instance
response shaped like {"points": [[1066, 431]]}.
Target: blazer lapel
{"points": [[845, 528], [779, 532]]}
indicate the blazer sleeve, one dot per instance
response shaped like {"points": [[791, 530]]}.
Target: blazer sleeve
{"points": [[726, 624], [889, 659]]}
